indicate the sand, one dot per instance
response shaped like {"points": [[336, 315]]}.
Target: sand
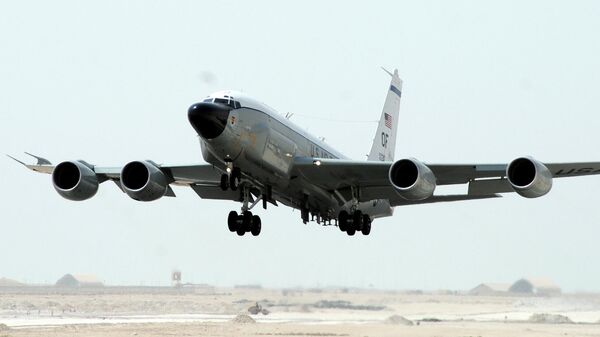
{"points": [[293, 312]]}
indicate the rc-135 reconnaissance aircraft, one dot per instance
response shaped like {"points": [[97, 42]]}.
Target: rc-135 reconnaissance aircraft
{"points": [[255, 154]]}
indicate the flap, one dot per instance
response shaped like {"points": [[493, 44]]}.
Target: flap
{"points": [[489, 186]]}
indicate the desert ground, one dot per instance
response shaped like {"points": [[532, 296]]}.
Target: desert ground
{"points": [[210, 311]]}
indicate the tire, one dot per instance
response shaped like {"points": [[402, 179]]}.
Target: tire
{"points": [[357, 218], [256, 225], [351, 231], [366, 228], [246, 221], [241, 231], [232, 221], [234, 179], [343, 221], [224, 182]]}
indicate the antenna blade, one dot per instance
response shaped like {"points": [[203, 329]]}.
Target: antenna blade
{"points": [[387, 71]]}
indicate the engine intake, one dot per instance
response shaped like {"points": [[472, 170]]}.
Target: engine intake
{"points": [[75, 180], [412, 179], [143, 181], [528, 177]]}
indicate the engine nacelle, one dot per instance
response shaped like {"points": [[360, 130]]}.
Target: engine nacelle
{"points": [[412, 179], [528, 177], [143, 181], [75, 180]]}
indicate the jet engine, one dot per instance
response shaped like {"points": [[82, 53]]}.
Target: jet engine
{"points": [[528, 177], [143, 181], [412, 179], [75, 180]]}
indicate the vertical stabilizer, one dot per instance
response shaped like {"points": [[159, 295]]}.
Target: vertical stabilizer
{"points": [[384, 143]]}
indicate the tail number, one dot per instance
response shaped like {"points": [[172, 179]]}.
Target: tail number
{"points": [[384, 139]]}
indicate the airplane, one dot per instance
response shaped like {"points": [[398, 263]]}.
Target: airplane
{"points": [[255, 154]]}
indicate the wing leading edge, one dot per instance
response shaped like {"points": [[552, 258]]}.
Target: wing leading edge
{"points": [[339, 176], [201, 177], [372, 177]]}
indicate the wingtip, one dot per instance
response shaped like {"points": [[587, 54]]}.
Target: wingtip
{"points": [[15, 159], [40, 160]]}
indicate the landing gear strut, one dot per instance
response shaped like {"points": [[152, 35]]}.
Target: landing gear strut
{"points": [[357, 221], [245, 221]]}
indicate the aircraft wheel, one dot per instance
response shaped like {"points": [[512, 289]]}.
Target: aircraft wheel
{"points": [[246, 221], [224, 182], [366, 228], [351, 231], [256, 225], [357, 218], [241, 231], [343, 221], [234, 179], [232, 221]]}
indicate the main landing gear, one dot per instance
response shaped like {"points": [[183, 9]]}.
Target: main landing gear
{"points": [[231, 180], [244, 222], [356, 221]]}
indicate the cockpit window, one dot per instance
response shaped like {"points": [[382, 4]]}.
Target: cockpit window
{"points": [[230, 102], [208, 100], [222, 101]]}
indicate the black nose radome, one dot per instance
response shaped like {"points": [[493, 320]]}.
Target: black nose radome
{"points": [[208, 119]]}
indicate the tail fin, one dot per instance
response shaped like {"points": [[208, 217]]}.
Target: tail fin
{"points": [[384, 143]]}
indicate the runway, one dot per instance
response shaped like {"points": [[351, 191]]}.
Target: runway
{"points": [[122, 311]]}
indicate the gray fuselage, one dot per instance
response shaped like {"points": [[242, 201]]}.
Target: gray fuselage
{"points": [[263, 144]]}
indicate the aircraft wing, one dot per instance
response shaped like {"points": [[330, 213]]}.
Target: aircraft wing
{"points": [[485, 180], [203, 178]]}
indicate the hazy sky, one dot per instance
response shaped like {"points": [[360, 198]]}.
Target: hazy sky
{"points": [[111, 81]]}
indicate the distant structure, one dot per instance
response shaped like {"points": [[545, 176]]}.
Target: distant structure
{"points": [[535, 286], [6, 282], [176, 278], [490, 289], [79, 281]]}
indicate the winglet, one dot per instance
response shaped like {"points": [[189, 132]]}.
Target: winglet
{"points": [[40, 160], [43, 165]]}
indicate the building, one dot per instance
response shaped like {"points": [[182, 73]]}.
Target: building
{"points": [[176, 278], [490, 289], [6, 282], [535, 286], [79, 281]]}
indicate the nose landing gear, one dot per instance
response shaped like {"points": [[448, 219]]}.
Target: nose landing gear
{"points": [[357, 221]]}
